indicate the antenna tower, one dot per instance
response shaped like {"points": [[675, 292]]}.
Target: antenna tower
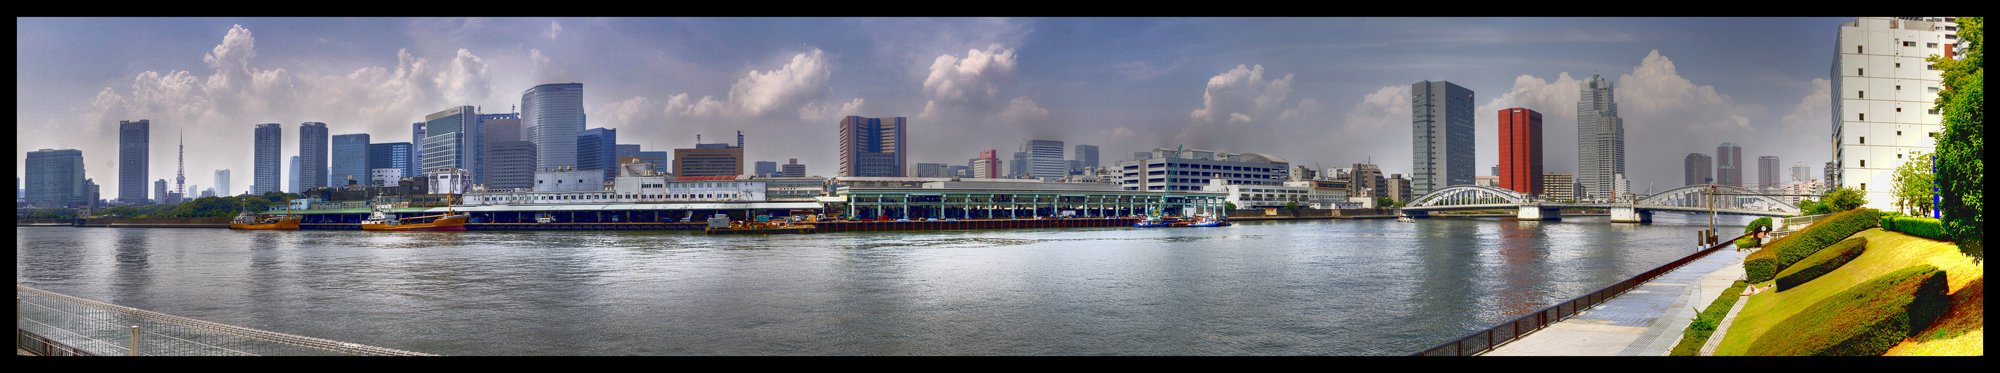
{"points": [[180, 177]]}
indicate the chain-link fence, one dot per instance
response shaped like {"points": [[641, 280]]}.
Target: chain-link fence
{"points": [[54, 324]]}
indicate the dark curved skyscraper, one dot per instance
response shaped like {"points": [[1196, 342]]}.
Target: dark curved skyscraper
{"points": [[1729, 165], [1442, 132]]}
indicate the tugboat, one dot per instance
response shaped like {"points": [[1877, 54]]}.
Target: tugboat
{"points": [[383, 219], [248, 221]]}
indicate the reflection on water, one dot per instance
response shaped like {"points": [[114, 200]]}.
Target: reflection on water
{"points": [[1364, 287]]}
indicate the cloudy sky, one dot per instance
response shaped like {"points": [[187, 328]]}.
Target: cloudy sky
{"points": [[1320, 91]]}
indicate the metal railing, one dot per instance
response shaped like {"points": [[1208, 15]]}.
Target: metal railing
{"points": [[56, 324], [1485, 340]]}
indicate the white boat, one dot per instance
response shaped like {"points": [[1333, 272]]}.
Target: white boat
{"points": [[1405, 219]]}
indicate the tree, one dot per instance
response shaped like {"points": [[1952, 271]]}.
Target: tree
{"points": [[1229, 205], [1844, 198], [1961, 148], [1913, 185], [1291, 205]]}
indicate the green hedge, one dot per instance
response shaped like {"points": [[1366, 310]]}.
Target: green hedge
{"points": [[1760, 222], [1920, 227], [1821, 263], [1864, 320], [1801, 244]]}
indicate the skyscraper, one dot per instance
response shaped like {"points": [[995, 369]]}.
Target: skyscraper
{"points": [[313, 151], [767, 168], [351, 158], [873, 146], [1020, 167], [55, 178], [1442, 129], [1883, 95], [1045, 159], [1600, 138], [708, 161], [493, 129], [294, 181], [397, 155], [134, 140], [1520, 166], [1087, 154], [1698, 169], [513, 166], [416, 145], [628, 150], [447, 140], [265, 166], [1801, 172], [160, 192], [551, 115], [1729, 165], [794, 169], [987, 166], [222, 183], [659, 160], [596, 149], [1767, 172]]}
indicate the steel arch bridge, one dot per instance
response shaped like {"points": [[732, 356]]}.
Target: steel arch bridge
{"points": [[1461, 195], [1726, 197]]}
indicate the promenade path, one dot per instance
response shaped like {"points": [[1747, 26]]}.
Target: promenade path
{"points": [[1646, 321]]}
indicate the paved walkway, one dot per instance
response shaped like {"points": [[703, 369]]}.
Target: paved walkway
{"points": [[1646, 321]]}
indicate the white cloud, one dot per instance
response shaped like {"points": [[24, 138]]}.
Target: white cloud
{"points": [[1814, 112], [635, 111], [1140, 70], [1023, 109], [969, 82], [1656, 90], [1307, 108], [464, 81], [554, 29], [825, 111], [1241, 90], [758, 94], [1387, 107]]}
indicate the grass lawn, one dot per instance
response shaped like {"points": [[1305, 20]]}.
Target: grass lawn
{"points": [[1961, 331]]}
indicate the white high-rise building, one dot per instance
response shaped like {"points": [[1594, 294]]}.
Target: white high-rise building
{"points": [[1883, 115], [551, 116], [1600, 139], [222, 182]]}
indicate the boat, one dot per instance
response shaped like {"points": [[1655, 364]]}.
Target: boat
{"points": [[1208, 221], [762, 227], [1405, 219], [248, 221], [384, 219]]}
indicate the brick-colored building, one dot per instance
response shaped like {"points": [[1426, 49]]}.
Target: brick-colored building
{"points": [[1521, 150]]}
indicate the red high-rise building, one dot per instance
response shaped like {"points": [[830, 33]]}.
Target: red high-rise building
{"points": [[1521, 150]]}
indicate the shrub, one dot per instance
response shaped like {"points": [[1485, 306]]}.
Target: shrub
{"points": [[1920, 227], [1864, 320], [1760, 222], [1805, 242], [1746, 242], [1821, 263]]}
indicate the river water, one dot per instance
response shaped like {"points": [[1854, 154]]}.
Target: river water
{"points": [[1320, 287]]}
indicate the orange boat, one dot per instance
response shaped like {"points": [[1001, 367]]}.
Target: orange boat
{"points": [[383, 219], [248, 221]]}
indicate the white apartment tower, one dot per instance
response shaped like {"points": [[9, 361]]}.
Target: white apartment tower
{"points": [[1883, 115]]}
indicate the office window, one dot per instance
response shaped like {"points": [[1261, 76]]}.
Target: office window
{"points": [[1934, 111], [1932, 67], [1864, 117], [1933, 89], [1930, 45], [1899, 88], [1864, 163], [1864, 141], [1899, 65], [1864, 186], [1899, 110], [1857, 49], [1899, 133], [1860, 94], [1909, 44]]}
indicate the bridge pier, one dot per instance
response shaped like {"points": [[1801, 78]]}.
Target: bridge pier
{"points": [[1630, 214], [1419, 214], [1535, 211]]}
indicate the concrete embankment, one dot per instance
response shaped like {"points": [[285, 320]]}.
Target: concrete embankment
{"points": [[222, 222]]}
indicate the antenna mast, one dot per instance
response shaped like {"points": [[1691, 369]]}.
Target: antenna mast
{"points": [[180, 177]]}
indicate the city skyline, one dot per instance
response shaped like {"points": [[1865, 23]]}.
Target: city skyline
{"points": [[1329, 88]]}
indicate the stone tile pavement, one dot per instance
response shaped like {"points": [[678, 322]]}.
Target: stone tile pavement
{"points": [[1646, 321]]}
